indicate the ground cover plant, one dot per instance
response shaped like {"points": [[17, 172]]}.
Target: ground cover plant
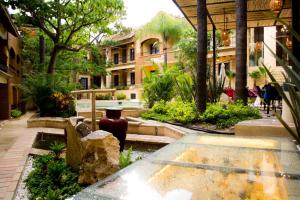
{"points": [[15, 113], [51, 178], [222, 116]]}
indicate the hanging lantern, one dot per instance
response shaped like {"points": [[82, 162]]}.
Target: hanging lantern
{"points": [[276, 5], [227, 42], [258, 45], [289, 43]]}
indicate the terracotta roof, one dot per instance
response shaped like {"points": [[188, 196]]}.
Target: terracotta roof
{"points": [[122, 37]]}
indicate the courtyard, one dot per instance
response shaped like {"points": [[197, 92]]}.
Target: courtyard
{"points": [[185, 100]]}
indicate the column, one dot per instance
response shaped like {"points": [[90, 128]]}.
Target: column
{"points": [[103, 79], [201, 93], [108, 81], [241, 92]]}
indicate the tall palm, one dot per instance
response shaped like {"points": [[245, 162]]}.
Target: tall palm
{"points": [[167, 26], [255, 75], [230, 75]]}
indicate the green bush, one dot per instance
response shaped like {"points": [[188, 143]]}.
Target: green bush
{"points": [[51, 178], [228, 115], [104, 96], [50, 93], [121, 96], [15, 113], [177, 111]]}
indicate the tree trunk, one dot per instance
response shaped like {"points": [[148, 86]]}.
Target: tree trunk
{"points": [[53, 59], [241, 51], [42, 49], [201, 88], [296, 27], [165, 49]]}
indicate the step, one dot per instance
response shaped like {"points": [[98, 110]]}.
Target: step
{"points": [[149, 139]]}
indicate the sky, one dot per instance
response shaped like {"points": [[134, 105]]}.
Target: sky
{"points": [[140, 12]]}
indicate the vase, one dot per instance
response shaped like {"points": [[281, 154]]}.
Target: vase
{"points": [[115, 124]]}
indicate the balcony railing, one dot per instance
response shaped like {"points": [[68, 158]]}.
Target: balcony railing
{"points": [[122, 60]]}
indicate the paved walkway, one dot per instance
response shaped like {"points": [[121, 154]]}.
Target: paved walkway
{"points": [[15, 144]]}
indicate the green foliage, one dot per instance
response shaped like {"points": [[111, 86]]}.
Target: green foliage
{"points": [[50, 93], [221, 115], [70, 25], [57, 149], [15, 113], [177, 111], [104, 96], [125, 158], [184, 86], [51, 179], [159, 85], [292, 79], [230, 75], [214, 91], [228, 115], [256, 74], [121, 96]]}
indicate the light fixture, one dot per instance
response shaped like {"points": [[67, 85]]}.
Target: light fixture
{"points": [[258, 45], [225, 33], [276, 5]]}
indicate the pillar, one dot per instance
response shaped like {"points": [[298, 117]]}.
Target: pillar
{"points": [[103, 80], [108, 81], [201, 88], [241, 92]]}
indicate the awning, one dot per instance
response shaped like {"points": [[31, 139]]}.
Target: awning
{"points": [[258, 12]]}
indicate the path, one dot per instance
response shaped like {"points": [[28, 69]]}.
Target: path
{"points": [[15, 144]]}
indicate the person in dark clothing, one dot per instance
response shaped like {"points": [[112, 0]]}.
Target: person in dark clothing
{"points": [[267, 97]]}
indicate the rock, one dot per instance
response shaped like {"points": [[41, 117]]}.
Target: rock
{"points": [[82, 129], [99, 156]]}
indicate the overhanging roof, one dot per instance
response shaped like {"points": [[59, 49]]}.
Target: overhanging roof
{"points": [[258, 12]]}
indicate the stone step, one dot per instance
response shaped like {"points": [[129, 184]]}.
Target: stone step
{"points": [[149, 139]]}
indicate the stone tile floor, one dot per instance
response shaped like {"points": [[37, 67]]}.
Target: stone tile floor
{"points": [[15, 144]]}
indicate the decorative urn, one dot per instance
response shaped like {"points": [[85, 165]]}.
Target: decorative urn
{"points": [[115, 124]]}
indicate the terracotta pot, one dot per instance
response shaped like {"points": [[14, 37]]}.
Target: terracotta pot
{"points": [[115, 124]]}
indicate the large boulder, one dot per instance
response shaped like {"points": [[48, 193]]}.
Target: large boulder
{"points": [[100, 156]]}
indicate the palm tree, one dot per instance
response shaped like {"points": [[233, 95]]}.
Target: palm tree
{"points": [[263, 72], [167, 26], [255, 75], [230, 75]]}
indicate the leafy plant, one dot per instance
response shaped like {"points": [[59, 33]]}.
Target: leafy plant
{"points": [[230, 75], [57, 149], [51, 178], [104, 96], [125, 158], [121, 96], [228, 115], [214, 91], [255, 75], [15, 113], [159, 85], [292, 79]]}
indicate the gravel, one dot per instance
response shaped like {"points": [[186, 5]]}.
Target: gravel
{"points": [[21, 192]]}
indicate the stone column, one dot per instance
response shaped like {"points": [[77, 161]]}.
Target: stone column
{"points": [[103, 80], [128, 78], [108, 81]]}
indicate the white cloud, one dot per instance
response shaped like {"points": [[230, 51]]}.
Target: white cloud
{"points": [[140, 12]]}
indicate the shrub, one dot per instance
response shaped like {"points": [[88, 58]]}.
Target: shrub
{"points": [[15, 113], [104, 96], [177, 111], [51, 178], [228, 115], [121, 96], [50, 93]]}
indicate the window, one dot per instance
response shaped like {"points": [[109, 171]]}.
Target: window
{"points": [[116, 58], [97, 81], [84, 83], [132, 96], [132, 78], [227, 67], [153, 49], [132, 56], [116, 80], [124, 55]]}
